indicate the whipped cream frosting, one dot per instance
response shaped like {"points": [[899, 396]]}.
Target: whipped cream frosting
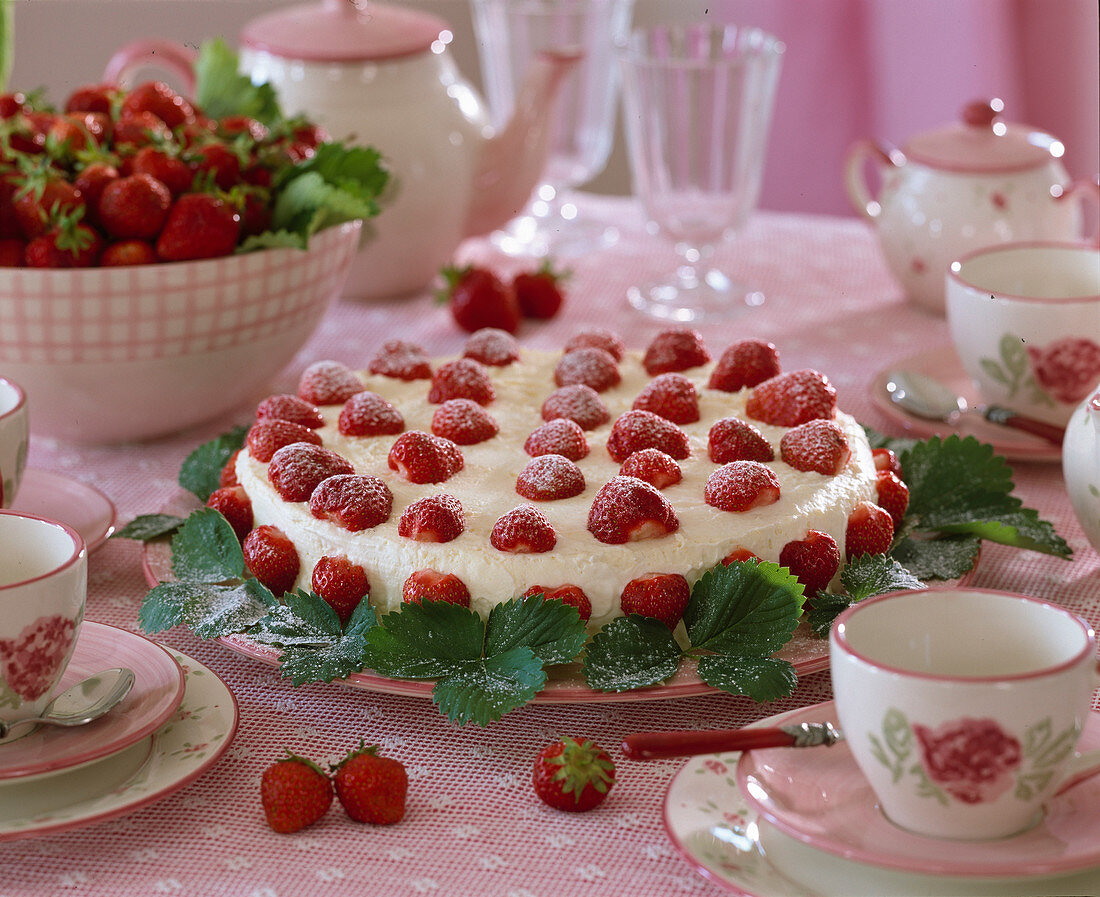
{"points": [[486, 489]]}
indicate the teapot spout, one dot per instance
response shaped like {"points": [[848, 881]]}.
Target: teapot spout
{"points": [[512, 160]]}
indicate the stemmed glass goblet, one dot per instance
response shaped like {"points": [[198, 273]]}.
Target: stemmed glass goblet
{"points": [[698, 102], [510, 34]]}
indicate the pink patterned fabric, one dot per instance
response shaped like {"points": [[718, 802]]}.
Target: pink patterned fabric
{"points": [[474, 827]]}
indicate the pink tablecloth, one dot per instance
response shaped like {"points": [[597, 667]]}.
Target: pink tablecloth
{"points": [[474, 826]]}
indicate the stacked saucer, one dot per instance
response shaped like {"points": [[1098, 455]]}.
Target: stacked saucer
{"points": [[55, 779], [787, 823]]}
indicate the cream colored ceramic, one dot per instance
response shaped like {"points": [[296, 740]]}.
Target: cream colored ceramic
{"points": [[43, 583], [1025, 320], [14, 438], [1081, 465], [962, 707], [979, 182], [381, 76]]}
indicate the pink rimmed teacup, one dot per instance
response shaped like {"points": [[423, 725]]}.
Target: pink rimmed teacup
{"points": [[1025, 321], [43, 583], [14, 436], [963, 707]]}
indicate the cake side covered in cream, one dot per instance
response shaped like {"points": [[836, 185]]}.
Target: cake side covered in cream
{"points": [[486, 488]]}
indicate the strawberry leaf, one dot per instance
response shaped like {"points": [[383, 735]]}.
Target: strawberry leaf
{"points": [[146, 527], [316, 648], [483, 690], [220, 90], [863, 577], [744, 608], [630, 652], [826, 608], [876, 574], [960, 486], [551, 629], [209, 609], [201, 470], [759, 678], [945, 557], [205, 549]]}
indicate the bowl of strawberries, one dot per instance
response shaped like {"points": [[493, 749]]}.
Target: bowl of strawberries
{"points": [[162, 259]]}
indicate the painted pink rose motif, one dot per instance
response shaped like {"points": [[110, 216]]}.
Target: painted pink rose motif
{"points": [[29, 662], [1068, 369], [971, 759]]}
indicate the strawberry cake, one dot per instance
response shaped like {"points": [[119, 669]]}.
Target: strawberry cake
{"points": [[611, 479]]}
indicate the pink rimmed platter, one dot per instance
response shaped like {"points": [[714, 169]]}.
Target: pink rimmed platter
{"points": [[806, 652], [820, 798], [183, 749], [157, 692]]}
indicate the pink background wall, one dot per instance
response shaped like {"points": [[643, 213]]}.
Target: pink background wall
{"points": [[877, 68]]}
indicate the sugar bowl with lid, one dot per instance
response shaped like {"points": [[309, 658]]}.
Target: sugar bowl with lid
{"points": [[978, 182]]}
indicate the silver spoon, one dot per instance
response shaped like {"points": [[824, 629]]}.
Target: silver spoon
{"points": [[88, 700], [925, 397]]}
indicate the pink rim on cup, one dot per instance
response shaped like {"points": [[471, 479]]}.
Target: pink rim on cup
{"points": [[43, 584], [1025, 321], [962, 707], [14, 436]]}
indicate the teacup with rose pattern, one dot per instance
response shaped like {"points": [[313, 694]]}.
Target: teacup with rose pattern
{"points": [[963, 707]]}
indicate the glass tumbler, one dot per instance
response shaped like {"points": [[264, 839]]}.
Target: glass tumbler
{"points": [[698, 102], [510, 33]]}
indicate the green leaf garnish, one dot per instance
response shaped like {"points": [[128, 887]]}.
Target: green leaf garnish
{"points": [[960, 486], [316, 648], [201, 470], [746, 608], [737, 617], [862, 577], [205, 549], [631, 652], [484, 668], [211, 610], [146, 527], [946, 557], [759, 678]]}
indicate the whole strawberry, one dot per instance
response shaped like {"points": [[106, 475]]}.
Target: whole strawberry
{"points": [[539, 292], [295, 792], [478, 298], [199, 226], [371, 788], [573, 775]]}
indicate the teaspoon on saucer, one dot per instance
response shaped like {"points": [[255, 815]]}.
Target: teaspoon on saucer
{"points": [[927, 398], [88, 700]]}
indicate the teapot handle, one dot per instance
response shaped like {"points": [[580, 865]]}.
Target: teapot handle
{"points": [[1088, 194], [173, 57], [855, 169]]}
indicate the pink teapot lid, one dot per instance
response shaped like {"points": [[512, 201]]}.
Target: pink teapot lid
{"points": [[983, 142], [343, 31]]}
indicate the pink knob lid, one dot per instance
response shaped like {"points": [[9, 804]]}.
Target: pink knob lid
{"points": [[343, 31], [983, 142]]}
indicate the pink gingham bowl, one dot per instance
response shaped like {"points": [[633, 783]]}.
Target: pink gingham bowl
{"points": [[131, 353]]}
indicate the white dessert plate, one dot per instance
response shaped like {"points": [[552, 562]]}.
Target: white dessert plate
{"points": [[57, 497], [157, 692], [724, 839], [185, 747], [819, 797], [944, 365]]}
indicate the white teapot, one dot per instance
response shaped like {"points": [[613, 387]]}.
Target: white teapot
{"points": [[972, 184], [380, 75], [1081, 465]]}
